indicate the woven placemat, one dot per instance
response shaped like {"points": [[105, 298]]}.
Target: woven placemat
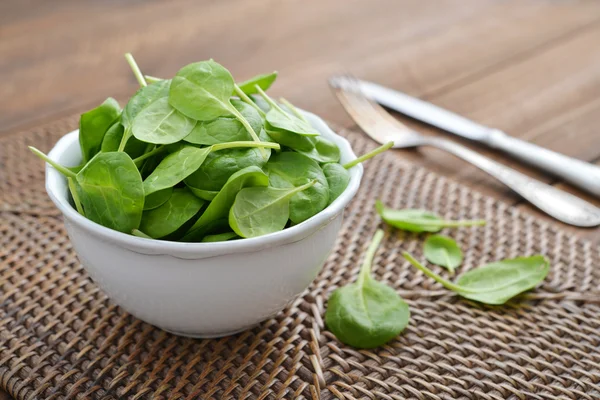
{"points": [[61, 338]]}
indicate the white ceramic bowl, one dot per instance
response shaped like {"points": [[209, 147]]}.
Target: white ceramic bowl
{"points": [[202, 289]]}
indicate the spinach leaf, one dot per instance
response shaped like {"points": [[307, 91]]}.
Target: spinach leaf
{"points": [[413, 220], [94, 124], [264, 81], [337, 180], [258, 211], [278, 118], [160, 123], [138, 233], [202, 90], [494, 283], [367, 313], [111, 191], [288, 170], [157, 199], [444, 251], [75, 195], [290, 139], [220, 237], [324, 151], [219, 207], [226, 129], [179, 165], [167, 218]]}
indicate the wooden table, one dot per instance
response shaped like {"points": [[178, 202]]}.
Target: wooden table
{"points": [[530, 68]]}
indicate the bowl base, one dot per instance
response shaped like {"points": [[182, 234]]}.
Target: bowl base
{"points": [[200, 335]]}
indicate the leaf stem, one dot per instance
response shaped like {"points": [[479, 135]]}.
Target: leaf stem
{"points": [[248, 127], [293, 109], [247, 99], [63, 170], [141, 158], [124, 139], [138, 233], [269, 100], [75, 195], [446, 283], [365, 269], [368, 155], [230, 145], [152, 79], [136, 70]]}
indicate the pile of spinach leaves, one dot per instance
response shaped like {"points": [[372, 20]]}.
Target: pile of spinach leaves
{"points": [[199, 158]]}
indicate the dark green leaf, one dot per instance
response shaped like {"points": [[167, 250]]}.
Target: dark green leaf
{"points": [[324, 151], [258, 211], [291, 139], [288, 170], [167, 218], [111, 191], [220, 237], [113, 137], [413, 220], [94, 124], [207, 195], [444, 251], [337, 180], [264, 81], [157, 199], [367, 313], [494, 283]]}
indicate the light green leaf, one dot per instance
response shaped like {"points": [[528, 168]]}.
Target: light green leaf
{"points": [[444, 251]]}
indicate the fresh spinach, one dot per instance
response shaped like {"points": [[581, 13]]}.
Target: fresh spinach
{"points": [[264, 81], [75, 195], [207, 195], [180, 207], [112, 140], [291, 139], [157, 199], [288, 170], [279, 119], [219, 208], [337, 180], [367, 313], [94, 124], [226, 129], [444, 251], [159, 123], [323, 151], [202, 91], [177, 166], [111, 191], [258, 211], [494, 283], [414, 220]]}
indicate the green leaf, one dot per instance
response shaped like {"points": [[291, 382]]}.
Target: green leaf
{"points": [[207, 195], [288, 170], [414, 220], [144, 97], [219, 208], [202, 90], [264, 81], [111, 191], [157, 199], [258, 211], [494, 283], [74, 195], [337, 180], [226, 129], [324, 151], [94, 124], [290, 139], [444, 251], [367, 313], [279, 119], [175, 167], [220, 237], [112, 140], [181, 206], [160, 123]]}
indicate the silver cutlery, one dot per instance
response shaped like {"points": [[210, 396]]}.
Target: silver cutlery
{"points": [[383, 127], [579, 173]]}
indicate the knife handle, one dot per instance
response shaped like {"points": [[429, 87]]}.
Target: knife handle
{"points": [[579, 173], [559, 204]]}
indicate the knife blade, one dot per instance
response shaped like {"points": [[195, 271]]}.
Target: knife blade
{"points": [[580, 173]]}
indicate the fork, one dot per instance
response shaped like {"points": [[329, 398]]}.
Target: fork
{"points": [[383, 127]]}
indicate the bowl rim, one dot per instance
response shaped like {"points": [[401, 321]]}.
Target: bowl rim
{"points": [[203, 249]]}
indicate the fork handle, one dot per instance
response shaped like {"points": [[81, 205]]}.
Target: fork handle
{"points": [[580, 173], [559, 204]]}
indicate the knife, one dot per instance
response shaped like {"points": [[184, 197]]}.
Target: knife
{"points": [[579, 173]]}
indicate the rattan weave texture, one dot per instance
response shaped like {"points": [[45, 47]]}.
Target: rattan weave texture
{"points": [[60, 337]]}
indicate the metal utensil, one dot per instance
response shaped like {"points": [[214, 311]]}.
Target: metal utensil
{"points": [[580, 173], [382, 127]]}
